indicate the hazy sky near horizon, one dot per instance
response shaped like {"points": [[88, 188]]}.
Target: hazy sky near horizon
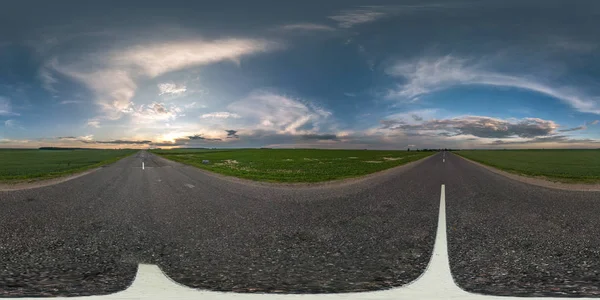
{"points": [[325, 74]]}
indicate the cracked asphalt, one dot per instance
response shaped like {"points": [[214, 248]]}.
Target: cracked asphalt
{"points": [[86, 236]]}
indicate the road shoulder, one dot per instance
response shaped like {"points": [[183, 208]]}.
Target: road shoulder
{"points": [[36, 183]]}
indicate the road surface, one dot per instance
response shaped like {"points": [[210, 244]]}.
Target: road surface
{"points": [[87, 236]]}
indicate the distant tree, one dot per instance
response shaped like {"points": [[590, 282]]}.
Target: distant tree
{"points": [[408, 149]]}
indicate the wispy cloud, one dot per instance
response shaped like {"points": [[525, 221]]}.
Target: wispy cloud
{"points": [[6, 108], [93, 123], [10, 124], [116, 72], [365, 14], [307, 27], [153, 112], [279, 113], [69, 102], [220, 115], [170, 88], [352, 17], [428, 75]]}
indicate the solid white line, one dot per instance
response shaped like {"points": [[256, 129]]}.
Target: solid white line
{"points": [[435, 283]]}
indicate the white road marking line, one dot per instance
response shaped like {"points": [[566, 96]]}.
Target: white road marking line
{"points": [[435, 283], [191, 186], [444, 160], [142, 165]]}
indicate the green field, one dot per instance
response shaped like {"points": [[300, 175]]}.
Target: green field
{"points": [[292, 165], [560, 165], [25, 164]]}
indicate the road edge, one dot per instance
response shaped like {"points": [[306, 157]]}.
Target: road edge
{"points": [[580, 187]]}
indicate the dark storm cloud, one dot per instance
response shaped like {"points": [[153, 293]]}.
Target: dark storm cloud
{"points": [[200, 137], [484, 127], [573, 129], [416, 117], [232, 134], [332, 137]]}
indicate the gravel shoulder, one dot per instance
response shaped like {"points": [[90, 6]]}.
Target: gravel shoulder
{"points": [[538, 181]]}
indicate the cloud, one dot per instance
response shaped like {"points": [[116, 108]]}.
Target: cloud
{"points": [[200, 137], [171, 89], [10, 123], [331, 137], [231, 134], [280, 114], [483, 127], [48, 80], [6, 108], [583, 127], [154, 112], [220, 115], [351, 17], [67, 138], [307, 27], [113, 75], [416, 117], [119, 142], [573, 129], [93, 123], [193, 105], [561, 139], [366, 14], [429, 75], [69, 102]]}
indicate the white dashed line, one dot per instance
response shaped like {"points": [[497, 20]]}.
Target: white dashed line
{"points": [[435, 283], [142, 165], [191, 186]]}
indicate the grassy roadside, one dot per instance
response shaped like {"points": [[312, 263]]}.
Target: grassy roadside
{"points": [[568, 166], [292, 165], [20, 165]]}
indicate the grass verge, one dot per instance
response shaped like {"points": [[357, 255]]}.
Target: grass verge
{"points": [[32, 164], [568, 166], [292, 165]]}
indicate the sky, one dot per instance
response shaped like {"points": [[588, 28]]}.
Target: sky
{"points": [[300, 74]]}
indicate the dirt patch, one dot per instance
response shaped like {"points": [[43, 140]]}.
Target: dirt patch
{"points": [[540, 181], [393, 158]]}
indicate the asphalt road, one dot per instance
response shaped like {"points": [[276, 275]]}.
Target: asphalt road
{"points": [[87, 235], [511, 238]]}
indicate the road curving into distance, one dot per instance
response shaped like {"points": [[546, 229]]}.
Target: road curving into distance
{"points": [[86, 236]]}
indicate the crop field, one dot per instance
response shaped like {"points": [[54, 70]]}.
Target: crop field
{"points": [[560, 165], [25, 164], [292, 165]]}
